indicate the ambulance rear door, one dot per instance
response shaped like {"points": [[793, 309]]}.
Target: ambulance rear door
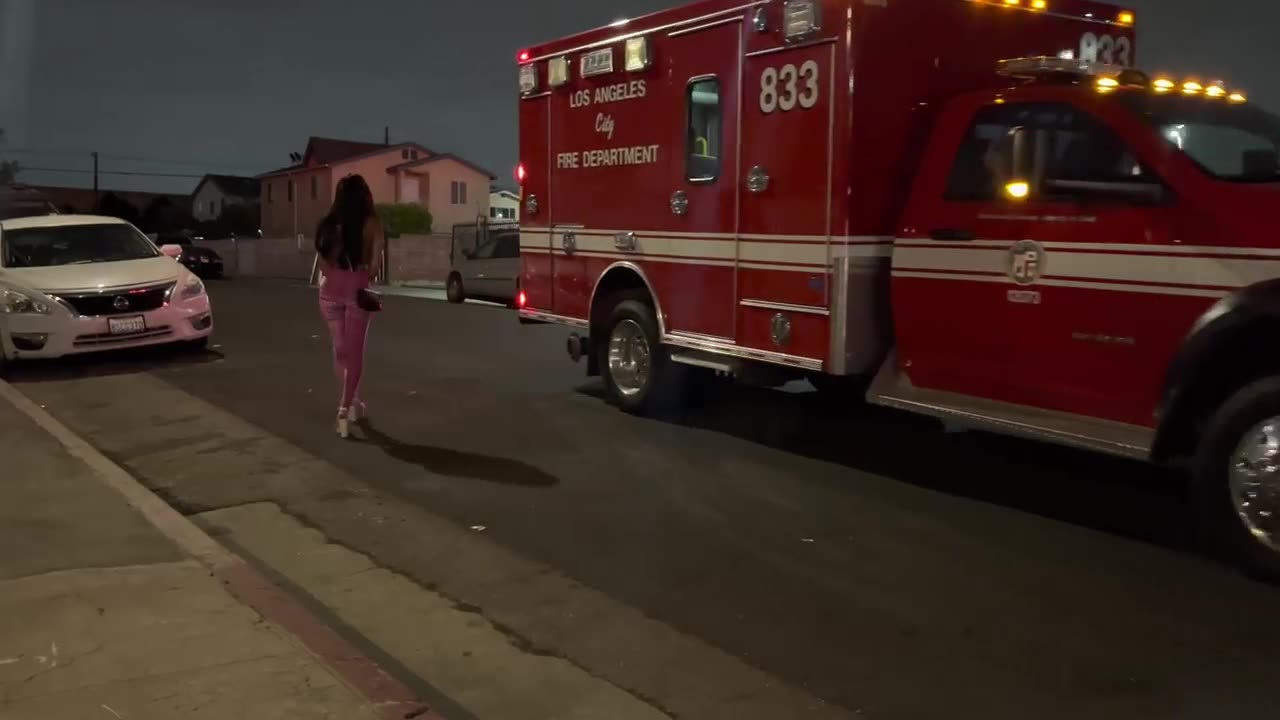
{"points": [[786, 176]]}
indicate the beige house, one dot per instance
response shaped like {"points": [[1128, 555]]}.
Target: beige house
{"points": [[216, 193], [504, 205], [295, 198]]}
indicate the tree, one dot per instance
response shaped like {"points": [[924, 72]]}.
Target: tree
{"points": [[8, 168], [239, 220], [404, 219], [113, 205]]}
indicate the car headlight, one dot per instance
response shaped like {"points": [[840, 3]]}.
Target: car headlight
{"points": [[13, 302], [192, 288]]}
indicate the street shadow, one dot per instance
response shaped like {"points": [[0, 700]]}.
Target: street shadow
{"points": [[112, 362], [455, 463], [1132, 499]]}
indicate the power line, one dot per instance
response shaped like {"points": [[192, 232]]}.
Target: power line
{"points": [[25, 168], [128, 158]]}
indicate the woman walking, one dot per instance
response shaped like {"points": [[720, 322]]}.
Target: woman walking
{"points": [[349, 242]]}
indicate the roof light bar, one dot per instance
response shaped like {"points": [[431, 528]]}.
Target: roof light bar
{"points": [[1034, 67]]}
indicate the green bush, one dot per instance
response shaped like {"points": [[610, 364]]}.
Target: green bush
{"points": [[404, 219]]}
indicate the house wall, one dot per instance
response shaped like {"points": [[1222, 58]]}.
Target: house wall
{"points": [[208, 202], [374, 169], [506, 202], [278, 218], [445, 214]]}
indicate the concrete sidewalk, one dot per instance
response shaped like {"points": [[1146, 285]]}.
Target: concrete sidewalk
{"points": [[107, 612]]}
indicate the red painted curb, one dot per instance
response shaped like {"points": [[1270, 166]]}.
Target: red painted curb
{"points": [[393, 699]]}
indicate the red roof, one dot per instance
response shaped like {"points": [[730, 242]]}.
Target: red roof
{"points": [[324, 152], [438, 158]]}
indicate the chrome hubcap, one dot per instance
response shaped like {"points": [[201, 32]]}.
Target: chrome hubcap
{"points": [[1255, 481], [629, 357]]}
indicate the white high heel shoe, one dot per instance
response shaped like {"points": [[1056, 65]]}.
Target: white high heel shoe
{"points": [[344, 430], [357, 410]]}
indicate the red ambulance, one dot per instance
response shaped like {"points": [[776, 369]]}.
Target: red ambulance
{"points": [[973, 209]]}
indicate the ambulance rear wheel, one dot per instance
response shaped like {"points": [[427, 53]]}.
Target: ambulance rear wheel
{"points": [[453, 289], [1237, 479], [639, 376]]}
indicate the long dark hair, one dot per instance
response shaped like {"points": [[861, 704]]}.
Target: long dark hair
{"points": [[342, 228]]}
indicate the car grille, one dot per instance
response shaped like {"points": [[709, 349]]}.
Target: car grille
{"points": [[122, 302]]}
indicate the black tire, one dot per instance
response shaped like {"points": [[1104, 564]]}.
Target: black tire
{"points": [[845, 389], [1223, 527], [454, 290], [199, 345], [663, 389]]}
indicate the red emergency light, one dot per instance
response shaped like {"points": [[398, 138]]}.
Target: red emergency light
{"points": [[521, 173], [523, 56]]}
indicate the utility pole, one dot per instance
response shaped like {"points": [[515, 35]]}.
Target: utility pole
{"points": [[95, 179], [386, 135]]}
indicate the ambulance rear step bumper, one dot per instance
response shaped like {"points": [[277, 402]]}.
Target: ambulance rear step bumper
{"points": [[719, 365]]}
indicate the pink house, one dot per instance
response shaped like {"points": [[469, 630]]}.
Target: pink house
{"points": [[295, 198]]}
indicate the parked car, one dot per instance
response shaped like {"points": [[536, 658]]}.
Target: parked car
{"points": [[202, 261], [72, 284], [18, 201], [489, 272]]}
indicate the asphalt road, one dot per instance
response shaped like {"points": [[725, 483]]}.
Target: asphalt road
{"points": [[867, 557]]}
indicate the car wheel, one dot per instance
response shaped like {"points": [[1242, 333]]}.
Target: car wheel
{"points": [[453, 289], [1237, 479], [639, 375]]}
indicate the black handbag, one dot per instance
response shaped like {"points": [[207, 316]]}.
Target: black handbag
{"points": [[368, 300]]}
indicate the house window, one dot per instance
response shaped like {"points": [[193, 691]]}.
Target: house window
{"points": [[702, 156], [315, 187], [404, 154], [458, 193], [413, 154]]}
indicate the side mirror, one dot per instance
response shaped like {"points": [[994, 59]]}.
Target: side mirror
{"points": [[173, 251]]}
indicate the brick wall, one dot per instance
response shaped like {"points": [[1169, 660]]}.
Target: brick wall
{"points": [[418, 258], [410, 258], [264, 257]]}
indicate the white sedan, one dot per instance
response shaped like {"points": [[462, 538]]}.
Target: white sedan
{"points": [[73, 284]]}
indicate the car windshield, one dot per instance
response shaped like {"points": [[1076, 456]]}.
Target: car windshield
{"points": [[74, 245], [1234, 142]]}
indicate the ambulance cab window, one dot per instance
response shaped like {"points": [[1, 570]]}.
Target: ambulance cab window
{"points": [[702, 157], [1060, 143]]}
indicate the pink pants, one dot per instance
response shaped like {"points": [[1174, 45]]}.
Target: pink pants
{"points": [[348, 327]]}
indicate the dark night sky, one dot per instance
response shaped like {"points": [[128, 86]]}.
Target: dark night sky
{"points": [[235, 85]]}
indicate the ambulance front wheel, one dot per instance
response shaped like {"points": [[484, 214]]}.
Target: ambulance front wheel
{"points": [[639, 375], [1237, 478]]}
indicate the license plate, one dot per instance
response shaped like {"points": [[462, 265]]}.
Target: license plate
{"points": [[126, 325]]}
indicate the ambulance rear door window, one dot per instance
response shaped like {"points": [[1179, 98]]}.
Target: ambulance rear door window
{"points": [[705, 114]]}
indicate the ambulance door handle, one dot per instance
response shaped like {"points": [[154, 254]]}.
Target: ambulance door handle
{"points": [[569, 242], [952, 235]]}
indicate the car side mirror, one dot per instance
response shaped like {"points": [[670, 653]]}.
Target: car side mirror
{"points": [[173, 251]]}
